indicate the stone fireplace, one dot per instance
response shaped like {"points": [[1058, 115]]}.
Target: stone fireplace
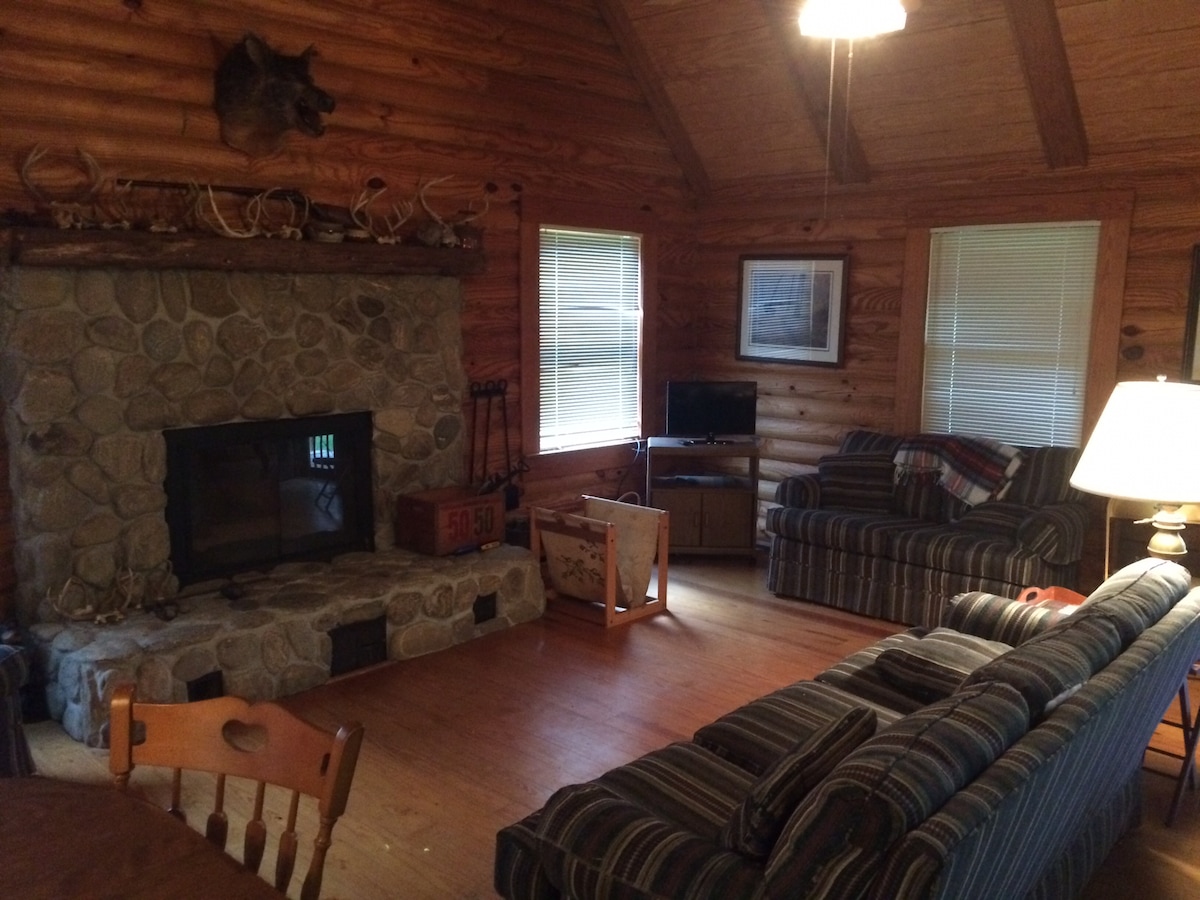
{"points": [[97, 363]]}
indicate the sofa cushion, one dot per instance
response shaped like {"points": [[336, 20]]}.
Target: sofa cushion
{"points": [[1139, 594], [755, 824], [858, 674], [949, 548], [594, 843], [755, 735], [861, 482], [995, 517], [918, 495], [1050, 665], [861, 440], [864, 533], [834, 842], [1045, 477], [1001, 618], [684, 784], [1055, 533], [934, 666]]}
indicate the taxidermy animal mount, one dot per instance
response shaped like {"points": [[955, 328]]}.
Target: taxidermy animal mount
{"points": [[260, 95]]}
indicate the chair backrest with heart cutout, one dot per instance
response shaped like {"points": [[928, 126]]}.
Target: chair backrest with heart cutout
{"points": [[262, 742]]}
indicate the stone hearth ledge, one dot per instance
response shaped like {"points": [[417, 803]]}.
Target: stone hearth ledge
{"points": [[274, 640]]}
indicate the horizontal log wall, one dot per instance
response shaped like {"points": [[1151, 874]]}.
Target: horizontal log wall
{"points": [[522, 99], [535, 99], [805, 410]]}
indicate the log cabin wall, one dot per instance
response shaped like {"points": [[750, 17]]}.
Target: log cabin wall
{"points": [[805, 410], [536, 99], [506, 101]]}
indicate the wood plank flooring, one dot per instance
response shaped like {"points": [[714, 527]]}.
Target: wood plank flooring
{"points": [[460, 743]]}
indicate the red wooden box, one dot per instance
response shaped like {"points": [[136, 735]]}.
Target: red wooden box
{"points": [[449, 520]]}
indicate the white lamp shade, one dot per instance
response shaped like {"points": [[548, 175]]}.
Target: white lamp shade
{"points": [[850, 19], [1146, 445]]}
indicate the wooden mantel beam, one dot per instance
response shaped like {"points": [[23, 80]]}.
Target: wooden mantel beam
{"points": [[808, 64], [661, 106], [67, 249], [1043, 56]]}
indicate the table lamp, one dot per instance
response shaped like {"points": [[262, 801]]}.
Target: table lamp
{"points": [[1146, 446]]}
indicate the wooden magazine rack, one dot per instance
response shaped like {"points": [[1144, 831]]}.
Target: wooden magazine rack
{"points": [[599, 564]]}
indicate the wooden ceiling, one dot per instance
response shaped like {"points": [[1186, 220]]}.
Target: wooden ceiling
{"points": [[1025, 86]]}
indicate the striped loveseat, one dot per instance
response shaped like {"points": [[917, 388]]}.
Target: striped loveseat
{"points": [[997, 755], [867, 535]]}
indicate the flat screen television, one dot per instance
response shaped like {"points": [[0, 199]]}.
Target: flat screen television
{"points": [[711, 409]]}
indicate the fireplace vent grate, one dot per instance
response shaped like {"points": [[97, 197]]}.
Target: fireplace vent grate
{"points": [[357, 645]]}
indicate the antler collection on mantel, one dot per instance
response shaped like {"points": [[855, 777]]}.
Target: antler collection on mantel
{"points": [[89, 218]]}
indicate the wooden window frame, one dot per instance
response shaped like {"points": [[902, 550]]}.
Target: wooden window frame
{"points": [[1114, 211], [536, 214]]}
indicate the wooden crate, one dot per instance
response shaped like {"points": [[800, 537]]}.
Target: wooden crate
{"points": [[449, 520]]}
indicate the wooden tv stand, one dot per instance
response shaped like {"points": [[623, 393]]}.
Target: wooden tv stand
{"points": [[713, 509]]}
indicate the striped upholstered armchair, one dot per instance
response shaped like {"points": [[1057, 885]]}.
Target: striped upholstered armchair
{"points": [[14, 749]]}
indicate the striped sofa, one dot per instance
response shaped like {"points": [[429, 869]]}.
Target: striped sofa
{"points": [[997, 755], [857, 536]]}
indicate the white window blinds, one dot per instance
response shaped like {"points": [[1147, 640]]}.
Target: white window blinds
{"points": [[1007, 329], [590, 325]]}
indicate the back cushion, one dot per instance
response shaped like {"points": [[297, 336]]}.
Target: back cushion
{"points": [[1050, 665], [1044, 477], [918, 495], [934, 666], [1139, 594], [861, 482], [834, 842], [863, 441]]}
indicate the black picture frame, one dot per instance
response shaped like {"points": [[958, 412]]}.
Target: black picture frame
{"points": [[1191, 347], [792, 309]]}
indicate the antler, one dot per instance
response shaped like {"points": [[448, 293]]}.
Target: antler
{"points": [[220, 225], [438, 231], [401, 213], [452, 233], [257, 210], [67, 212], [360, 208]]}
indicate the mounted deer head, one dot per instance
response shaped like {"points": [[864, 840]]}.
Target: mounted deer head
{"points": [[260, 95]]}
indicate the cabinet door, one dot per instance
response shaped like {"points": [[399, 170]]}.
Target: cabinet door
{"points": [[728, 519], [685, 508]]}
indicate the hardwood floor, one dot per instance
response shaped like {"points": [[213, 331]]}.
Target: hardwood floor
{"points": [[460, 743]]}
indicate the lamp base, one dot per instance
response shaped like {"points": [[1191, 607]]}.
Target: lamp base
{"points": [[1167, 542]]}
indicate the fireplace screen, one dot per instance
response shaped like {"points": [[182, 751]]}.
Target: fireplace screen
{"points": [[250, 495]]}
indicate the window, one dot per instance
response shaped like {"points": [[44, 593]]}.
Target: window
{"points": [[589, 329], [1007, 331]]}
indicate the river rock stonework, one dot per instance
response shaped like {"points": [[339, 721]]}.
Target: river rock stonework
{"points": [[96, 363], [274, 639]]}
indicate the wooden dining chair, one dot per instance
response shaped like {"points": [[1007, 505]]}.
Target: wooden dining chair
{"points": [[262, 742]]}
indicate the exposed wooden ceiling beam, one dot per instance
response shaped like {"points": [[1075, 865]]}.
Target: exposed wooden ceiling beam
{"points": [[660, 103], [1047, 71], [808, 63]]}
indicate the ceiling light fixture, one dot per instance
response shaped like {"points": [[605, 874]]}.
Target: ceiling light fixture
{"points": [[851, 19]]}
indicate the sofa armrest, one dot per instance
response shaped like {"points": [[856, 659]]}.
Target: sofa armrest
{"points": [[597, 844], [1055, 532], [799, 492], [999, 618]]}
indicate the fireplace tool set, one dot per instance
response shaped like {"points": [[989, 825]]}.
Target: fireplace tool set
{"points": [[485, 393]]}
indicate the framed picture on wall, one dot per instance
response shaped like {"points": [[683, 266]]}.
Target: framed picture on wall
{"points": [[792, 309], [1191, 346]]}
